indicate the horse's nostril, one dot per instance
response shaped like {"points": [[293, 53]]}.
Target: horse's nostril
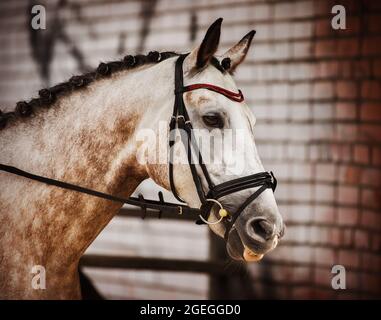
{"points": [[263, 228]]}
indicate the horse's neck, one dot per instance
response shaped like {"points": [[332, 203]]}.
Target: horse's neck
{"points": [[86, 139]]}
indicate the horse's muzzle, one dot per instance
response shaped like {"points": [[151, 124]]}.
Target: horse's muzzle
{"points": [[252, 238]]}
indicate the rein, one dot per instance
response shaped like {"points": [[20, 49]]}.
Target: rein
{"points": [[180, 120], [139, 201]]}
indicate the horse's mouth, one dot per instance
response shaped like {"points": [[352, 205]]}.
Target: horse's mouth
{"points": [[251, 256], [245, 255], [239, 251]]}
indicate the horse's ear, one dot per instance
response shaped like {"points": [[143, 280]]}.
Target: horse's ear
{"points": [[236, 54], [201, 56]]}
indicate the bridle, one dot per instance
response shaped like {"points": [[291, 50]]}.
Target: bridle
{"points": [[180, 120]]}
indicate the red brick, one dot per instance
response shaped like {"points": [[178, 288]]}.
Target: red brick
{"points": [[345, 69], [349, 174], [327, 69], [346, 111], [376, 156], [377, 68], [346, 89], [376, 242], [325, 48], [299, 274], [323, 8], [352, 25], [369, 132], [301, 293], [371, 282], [373, 23], [352, 279], [371, 46], [323, 277], [335, 236], [347, 47], [371, 219], [371, 198], [371, 262], [371, 111], [321, 294], [346, 132], [347, 216], [280, 273], [371, 90], [348, 195], [372, 5], [361, 154], [342, 153], [347, 238], [362, 68], [323, 27], [349, 258], [361, 239], [371, 177]]}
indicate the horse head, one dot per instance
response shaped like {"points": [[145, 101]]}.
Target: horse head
{"points": [[223, 128]]}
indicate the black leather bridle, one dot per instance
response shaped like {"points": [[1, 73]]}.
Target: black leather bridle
{"points": [[180, 120]]}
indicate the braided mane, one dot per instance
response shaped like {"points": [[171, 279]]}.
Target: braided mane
{"points": [[49, 96]]}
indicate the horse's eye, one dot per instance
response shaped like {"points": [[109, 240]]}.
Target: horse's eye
{"points": [[213, 120]]}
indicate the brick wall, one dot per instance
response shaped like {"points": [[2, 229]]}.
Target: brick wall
{"points": [[316, 94], [320, 94]]}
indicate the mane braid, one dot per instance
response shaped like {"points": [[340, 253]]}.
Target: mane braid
{"points": [[50, 95]]}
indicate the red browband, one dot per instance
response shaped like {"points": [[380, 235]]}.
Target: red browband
{"points": [[228, 94]]}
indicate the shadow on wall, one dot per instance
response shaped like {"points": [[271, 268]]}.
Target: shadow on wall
{"points": [[43, 42]]}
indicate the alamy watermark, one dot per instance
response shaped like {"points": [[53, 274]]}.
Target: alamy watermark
{"points": [[225, 149], [339, 279], [339, 20], [38, 20], [38, 281]]}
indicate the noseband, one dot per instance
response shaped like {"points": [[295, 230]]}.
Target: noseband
{"points": [[180, 120]]}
